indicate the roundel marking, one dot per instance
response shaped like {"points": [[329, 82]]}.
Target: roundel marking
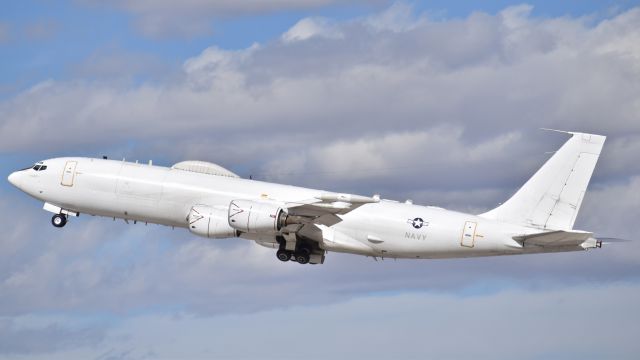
{"points": [[417, 223]]}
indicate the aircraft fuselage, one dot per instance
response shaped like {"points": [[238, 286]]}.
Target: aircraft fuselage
{"points": [[160, 195]]}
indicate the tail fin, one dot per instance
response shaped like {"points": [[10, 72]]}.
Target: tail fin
{"points": [[551, 199]]}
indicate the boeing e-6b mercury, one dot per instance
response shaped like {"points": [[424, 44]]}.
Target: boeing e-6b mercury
{"points": [[304, 224]]}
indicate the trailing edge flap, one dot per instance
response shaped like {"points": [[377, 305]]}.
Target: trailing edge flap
{"points": [[555, 238]]}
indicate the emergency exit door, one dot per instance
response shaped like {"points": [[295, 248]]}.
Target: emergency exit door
{"points": [[69, 173], [468, 234]]}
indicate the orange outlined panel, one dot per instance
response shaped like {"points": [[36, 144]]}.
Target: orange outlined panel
{"points": [[468, 234]]}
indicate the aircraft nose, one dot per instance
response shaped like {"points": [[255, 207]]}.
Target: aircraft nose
{"points": [[14, 179]]}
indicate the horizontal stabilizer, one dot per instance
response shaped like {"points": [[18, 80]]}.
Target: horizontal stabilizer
{"points": [[555, 238]]}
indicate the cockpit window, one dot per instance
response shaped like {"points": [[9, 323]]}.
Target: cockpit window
{"points": [[38, 167]]}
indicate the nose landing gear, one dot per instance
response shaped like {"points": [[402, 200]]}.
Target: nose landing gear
{"points": [[59, 220]]}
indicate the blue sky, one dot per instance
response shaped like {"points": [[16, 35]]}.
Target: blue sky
{"points": [[405, 99]]}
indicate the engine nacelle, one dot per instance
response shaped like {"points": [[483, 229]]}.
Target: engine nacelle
{"points": [[256, 217], [210, 222]]}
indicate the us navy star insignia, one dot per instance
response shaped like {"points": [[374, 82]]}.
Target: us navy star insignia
{"points": [[417, 223]]}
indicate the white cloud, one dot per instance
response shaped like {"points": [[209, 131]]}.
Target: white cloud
{"points": [[16, 339], [611, 208], [574, 322], [409, 154], [311, 27], [621, 35], [370, 92], [555, 322], [399, 17], [514, 17]]}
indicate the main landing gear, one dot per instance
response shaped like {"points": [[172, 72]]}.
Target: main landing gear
{"points": [[59, 220], [302, 256], [302, 253]]}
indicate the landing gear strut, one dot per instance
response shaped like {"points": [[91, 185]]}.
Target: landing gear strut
{"points": [[59, 220]]}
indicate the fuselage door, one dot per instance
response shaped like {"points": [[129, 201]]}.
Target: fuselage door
{"points": [[468, 234], [69, 173]]}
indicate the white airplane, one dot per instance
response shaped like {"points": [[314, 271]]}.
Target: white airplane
{"points": [[304, 224]]}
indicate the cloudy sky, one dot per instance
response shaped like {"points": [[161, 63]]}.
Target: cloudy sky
{"points": [[431, 101]]}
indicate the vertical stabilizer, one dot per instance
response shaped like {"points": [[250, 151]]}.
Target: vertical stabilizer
{"points": [[551, 199]]}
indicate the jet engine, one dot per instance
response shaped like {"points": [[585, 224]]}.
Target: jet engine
{"points": [[210, 222], [256, 217]]}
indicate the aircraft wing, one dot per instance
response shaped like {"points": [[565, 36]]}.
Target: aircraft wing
{"points": [[307, 218], [326, 208], [555, 238]]}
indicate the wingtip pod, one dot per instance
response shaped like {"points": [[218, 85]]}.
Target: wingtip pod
{"points": [[551, 198]]}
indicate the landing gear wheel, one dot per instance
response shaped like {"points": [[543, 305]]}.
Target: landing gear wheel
{"points": [[283, 255], [302, 258], [59, 220]]}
